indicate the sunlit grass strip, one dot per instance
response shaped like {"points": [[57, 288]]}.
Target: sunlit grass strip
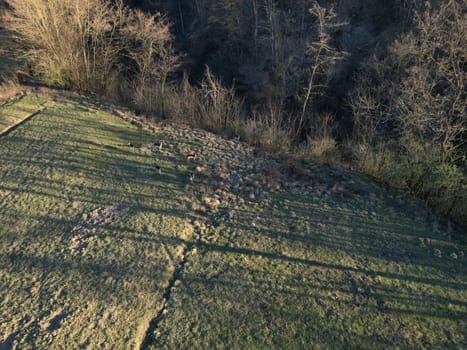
{"points": [[22, 121]]}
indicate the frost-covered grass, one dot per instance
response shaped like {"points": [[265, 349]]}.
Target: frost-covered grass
{"points": [[94, 244], [57, 170]]}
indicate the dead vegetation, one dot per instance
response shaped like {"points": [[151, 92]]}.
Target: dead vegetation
{"points": [[94, 46], [402, 120]]}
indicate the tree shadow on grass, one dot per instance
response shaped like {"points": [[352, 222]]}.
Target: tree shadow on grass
{"points": [[291, 288], [382, 238], [391, 295]]}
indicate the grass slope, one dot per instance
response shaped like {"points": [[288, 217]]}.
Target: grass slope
{"points": [[71, 276], [12, 113], [98, 250]]}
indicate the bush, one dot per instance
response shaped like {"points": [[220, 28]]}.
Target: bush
{"points": [[218, 108], [9, 86], [323, 149], [267, 129], [94, 46], [416, 89], [422, 169]]}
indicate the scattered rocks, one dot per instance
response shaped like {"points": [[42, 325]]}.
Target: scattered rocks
{"points": [[146, 148], [437, 253], [235, 179], [340, 189], [211, 202]]}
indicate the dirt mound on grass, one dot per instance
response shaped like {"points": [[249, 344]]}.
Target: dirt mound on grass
{"points": [[86, 230]]}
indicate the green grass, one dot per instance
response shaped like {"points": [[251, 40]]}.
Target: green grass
{"points": [[298, 268], [342, 273], [12, 112], [62, 164]]}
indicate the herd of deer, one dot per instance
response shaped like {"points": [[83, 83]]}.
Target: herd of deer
{"points": [[157, 146]]}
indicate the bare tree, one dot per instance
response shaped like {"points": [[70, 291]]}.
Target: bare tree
{"points": [[433, 96], [323, 56]]}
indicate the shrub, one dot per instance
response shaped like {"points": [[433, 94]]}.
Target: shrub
{"points": [[9, 86], [218, 108], [267, 129], [94, 46], [322, 149]]}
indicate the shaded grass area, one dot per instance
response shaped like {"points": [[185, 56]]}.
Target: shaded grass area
{"points": [[92, 239], [307, 271], [55, 171]]}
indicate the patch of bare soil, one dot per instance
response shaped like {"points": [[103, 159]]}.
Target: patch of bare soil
{"points": [[84, 232]]}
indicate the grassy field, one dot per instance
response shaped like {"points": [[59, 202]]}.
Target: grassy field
{"points": [[100, 251], [12, 112], [76, 207]]}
